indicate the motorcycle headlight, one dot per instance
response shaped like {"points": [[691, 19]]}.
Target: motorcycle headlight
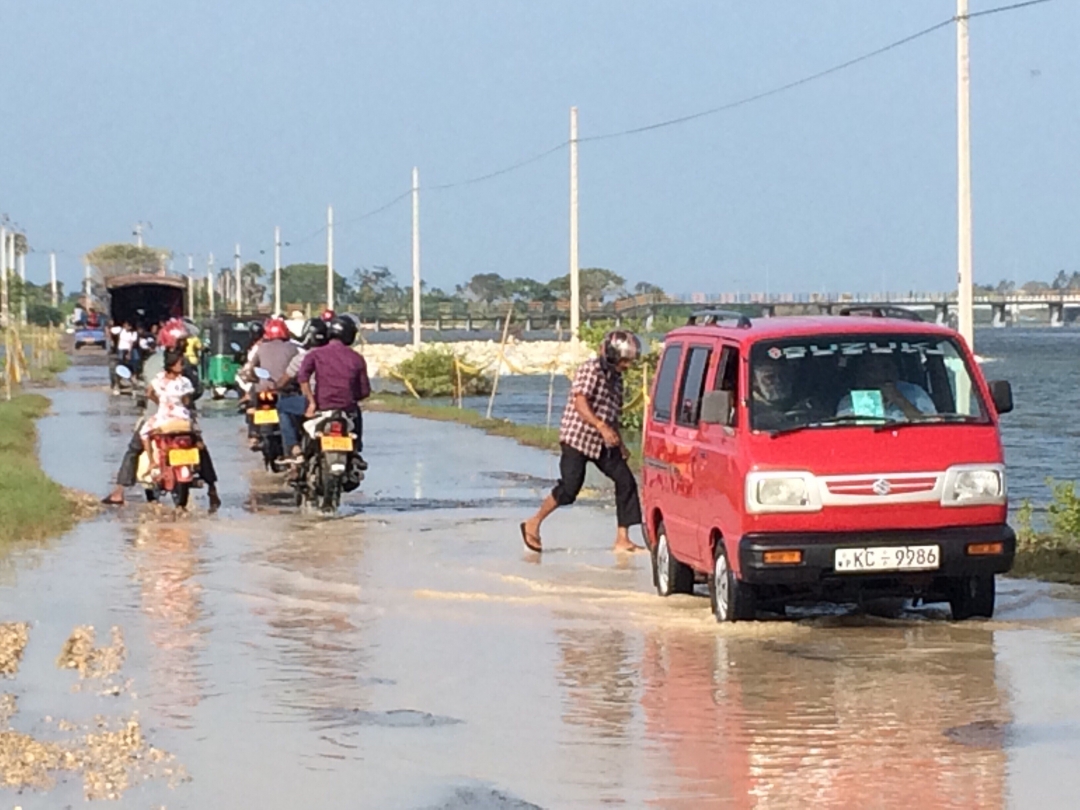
{"points": [[972, 485], [782, 492]]}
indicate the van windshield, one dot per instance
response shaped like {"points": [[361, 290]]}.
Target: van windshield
{"points": [[810, 382]]}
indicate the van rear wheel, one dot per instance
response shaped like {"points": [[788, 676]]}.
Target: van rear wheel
{"points": [[972, 597], [669, 575], [732, 600]]}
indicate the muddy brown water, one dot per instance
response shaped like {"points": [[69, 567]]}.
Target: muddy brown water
{"points": [[409, 655]]}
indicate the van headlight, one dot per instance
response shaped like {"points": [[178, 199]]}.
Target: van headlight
{"points": [[974, 485], [782, 492]]}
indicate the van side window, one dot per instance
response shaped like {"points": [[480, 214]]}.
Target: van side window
{"points": [[727, 379], [665, 382], [693, 386]]}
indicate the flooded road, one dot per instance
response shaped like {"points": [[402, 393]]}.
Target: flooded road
{"points": [[409, 655]]}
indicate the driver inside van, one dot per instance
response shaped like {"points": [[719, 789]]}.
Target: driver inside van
{"points": [[772, 388], [879, 392]]}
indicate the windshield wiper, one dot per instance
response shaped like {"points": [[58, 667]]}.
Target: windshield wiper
{"points": [[833, 421], [930, 418]]}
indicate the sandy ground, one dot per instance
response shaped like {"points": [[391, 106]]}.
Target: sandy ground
{"points": [[408, 654]]}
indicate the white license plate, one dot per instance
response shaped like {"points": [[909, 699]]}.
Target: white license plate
{"points": [[887, 558]]}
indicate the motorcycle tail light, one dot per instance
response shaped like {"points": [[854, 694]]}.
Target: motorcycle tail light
{"points": [[183, 442], [335, 429]]}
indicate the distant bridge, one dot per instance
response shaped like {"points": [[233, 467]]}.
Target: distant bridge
{"points": [[1004, 309]]}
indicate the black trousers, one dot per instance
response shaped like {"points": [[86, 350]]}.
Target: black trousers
{"points": [[614, 466], [129, 465]]}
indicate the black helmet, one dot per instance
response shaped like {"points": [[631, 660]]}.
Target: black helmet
{"points": [[343, 328], [316, 333], [620, 345]]}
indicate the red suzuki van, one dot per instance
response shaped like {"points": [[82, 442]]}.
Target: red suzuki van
{"points": [[794, 460]]}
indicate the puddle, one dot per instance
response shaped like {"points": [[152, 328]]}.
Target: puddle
{"points": [[564, 682]]}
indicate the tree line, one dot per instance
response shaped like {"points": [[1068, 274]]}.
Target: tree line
{"points": [[1061, 283]]}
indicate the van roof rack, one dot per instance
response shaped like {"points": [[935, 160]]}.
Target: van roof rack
{"points": [[879, 311], [712, 317]]}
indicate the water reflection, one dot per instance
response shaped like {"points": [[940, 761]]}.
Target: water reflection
{"points": [[598, 673], [848, 718], [309, 573], [167, 565]]}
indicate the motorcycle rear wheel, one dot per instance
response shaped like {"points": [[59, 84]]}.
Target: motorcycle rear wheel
{"points": [[180, 495]]}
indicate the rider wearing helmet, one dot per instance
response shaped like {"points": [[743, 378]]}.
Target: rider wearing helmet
{"points": [[340, 376], [274, 353], [590, 432], [314, 334]]}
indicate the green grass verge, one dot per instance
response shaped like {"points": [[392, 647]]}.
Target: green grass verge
{"points": [[32, 506], [529, 435], [1047, 560]]}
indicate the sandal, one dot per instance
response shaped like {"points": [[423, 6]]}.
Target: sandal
{"points": [[526, 537]]}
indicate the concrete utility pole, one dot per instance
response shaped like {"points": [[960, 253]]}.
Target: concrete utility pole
{"points": [[87, 289], [3, 278], [965, 304], [210, 284], [416, 257], [22, 296], [138, 234], [191, 285], [55, 298], [575, 280], [239, 282], [330, 257], [277, 271]]}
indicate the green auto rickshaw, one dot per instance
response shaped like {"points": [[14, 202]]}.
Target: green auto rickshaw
{"points": [[226, 340]]}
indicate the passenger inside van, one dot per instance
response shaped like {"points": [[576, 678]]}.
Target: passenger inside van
{"points": [[878, 391]]}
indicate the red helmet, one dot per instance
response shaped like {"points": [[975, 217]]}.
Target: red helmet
{"points": [[327, 315], [172, 332], [275, 329]]}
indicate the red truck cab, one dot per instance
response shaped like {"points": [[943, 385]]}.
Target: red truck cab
{"points": [[794, 460]]}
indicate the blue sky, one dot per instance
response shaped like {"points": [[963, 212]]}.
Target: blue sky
{"points": [[216, 121]]}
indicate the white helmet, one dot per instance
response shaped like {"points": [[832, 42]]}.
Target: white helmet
{"points": [[620, 345]]}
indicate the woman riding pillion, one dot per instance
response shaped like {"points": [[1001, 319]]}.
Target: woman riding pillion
{"points": [[174, 390], [590, 431]]}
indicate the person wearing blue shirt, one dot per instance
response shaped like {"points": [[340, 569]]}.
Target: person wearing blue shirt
{"points": [[878, 392]]}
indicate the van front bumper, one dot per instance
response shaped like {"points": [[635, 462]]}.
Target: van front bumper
{"points": [[819, 552]]}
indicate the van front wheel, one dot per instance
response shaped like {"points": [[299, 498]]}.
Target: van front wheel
{"points": [[669, 575], [972, 597], [732, 600]]}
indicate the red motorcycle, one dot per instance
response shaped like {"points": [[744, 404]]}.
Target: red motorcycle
{"points": [[174, 469]]}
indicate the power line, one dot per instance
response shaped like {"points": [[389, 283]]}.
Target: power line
{"points": [[999, 9], [499, 172]]}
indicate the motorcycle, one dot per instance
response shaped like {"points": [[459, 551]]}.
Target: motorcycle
{"points": [[265, 423], [174, 468], [125, 382], [330, 463]]}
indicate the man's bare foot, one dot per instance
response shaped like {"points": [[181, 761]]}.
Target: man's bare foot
{"points": [[624, 545]]}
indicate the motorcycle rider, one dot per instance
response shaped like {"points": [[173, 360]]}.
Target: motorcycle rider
{"points": [[171, 336], [315, 334], [274, 353], [341, 378]]}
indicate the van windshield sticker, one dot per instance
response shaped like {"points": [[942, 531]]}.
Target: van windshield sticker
{"points": [[868, 403], [854, 349]]}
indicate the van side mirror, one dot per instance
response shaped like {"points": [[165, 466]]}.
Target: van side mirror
{"points": [[1001, 394], [716, 408]]}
